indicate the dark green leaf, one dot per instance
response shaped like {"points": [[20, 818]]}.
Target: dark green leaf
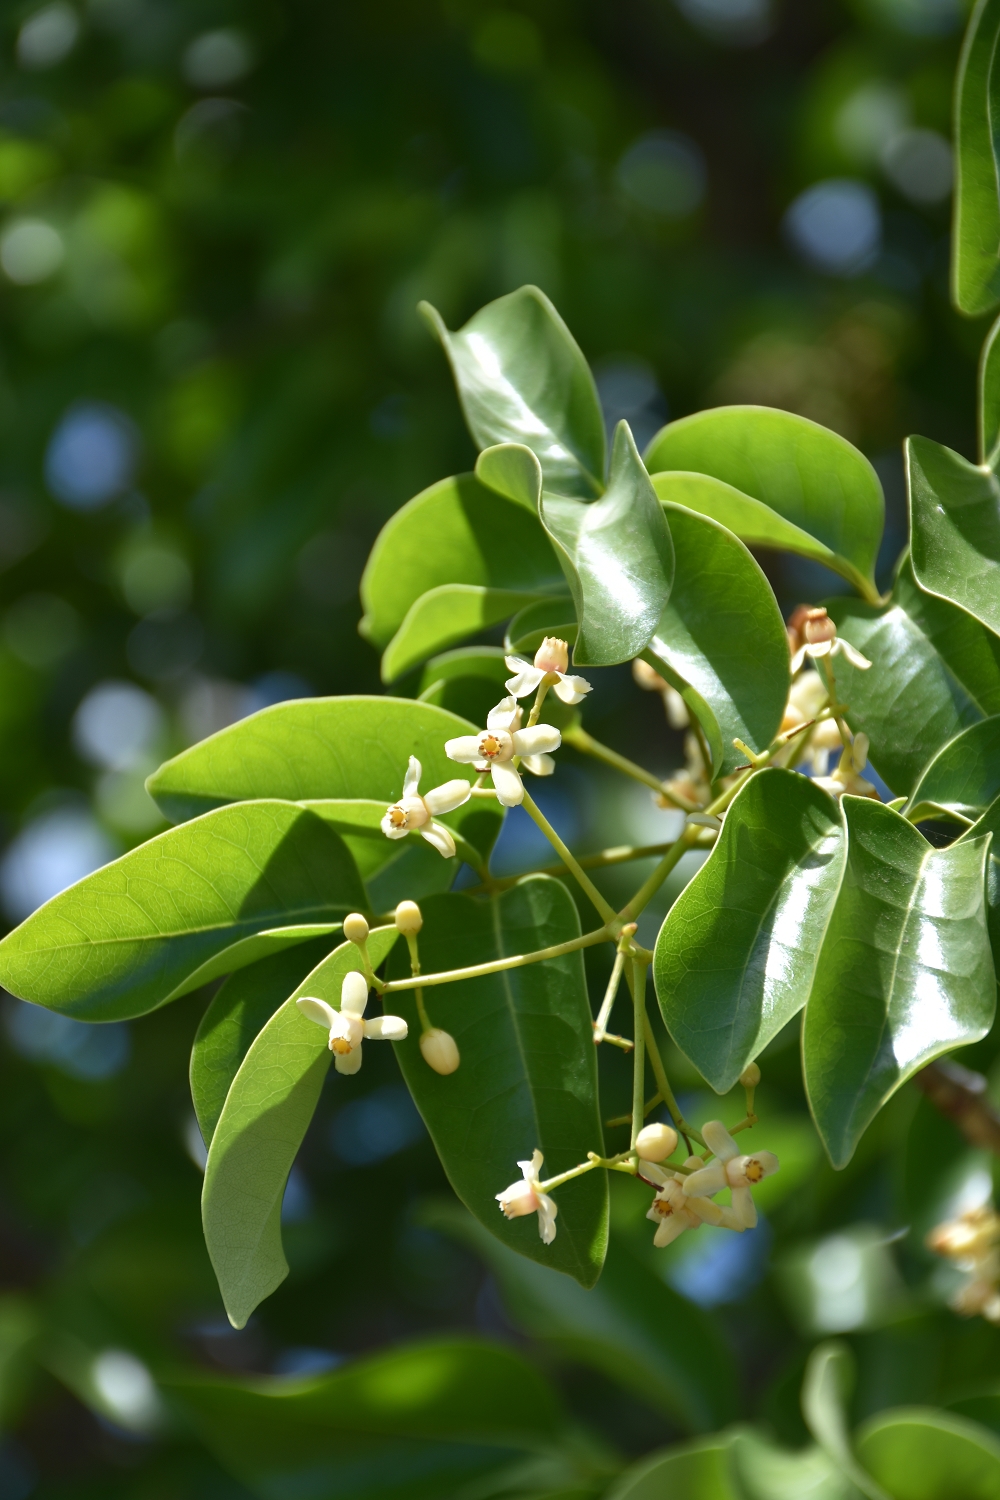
{"points": [[989, 398], [964, 776], [618, 558], [528, 1077], [918, 1453], [736, 955], [990, 823], [444, 615], [722, 635], [691, 1471], [809, 476], [904, 974], [262, 1124], [155, 923], [955, 529], [522, 379], [457, 531], [934, 670], [528, 629], [825, 1391], [975, 270], [631, 1327]]}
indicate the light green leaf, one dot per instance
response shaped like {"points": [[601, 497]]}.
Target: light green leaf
{"points": [[384, 863], [989, 398], [904, 974], [317, 749], [955, 528], [618, 559], [238, 1011], [722, 635], [262, 1124], [467, 682], [512, 470], [919, 1453], [522, 379], [736, 955], [767, 1472], [251, 950], [825, 1391], [631, 1327], [964, 776], [552, 616], [690, 1471], [934, 670], [442, 616], [457, 531], [808, 475], [975, 270], [528, 1076], [145, 929]]}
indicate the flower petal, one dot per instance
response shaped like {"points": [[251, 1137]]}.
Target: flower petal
{"points": [[354, 993], [669, 1230], [744, 1207], [531, 1169], [525, 680], [508, 786], [571, 689], [547, 1210], [710, 1179], [317, 1010], [797, 660], [412, 778], [503, 716], [538, 765], [718, 1139], [853, 656], [541, 740], [391, 832], [439, 837], [707, 1211], [347, 1062], [386, 1028], [464, 748], [445, 798]]}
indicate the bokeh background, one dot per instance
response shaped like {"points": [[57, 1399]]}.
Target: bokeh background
{"points": [[216, 220]]}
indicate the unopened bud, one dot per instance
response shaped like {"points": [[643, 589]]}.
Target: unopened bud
{"points": [[656, 1142], [818, 627], [356, 928], [646, 677], [552, 655], [750, 1077], [440, 1050], [408, 917]]}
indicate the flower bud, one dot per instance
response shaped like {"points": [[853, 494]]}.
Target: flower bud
{"points": [[408, 918], [646, 677], [552, 655], [750, 1077], [817, 627], [356, 928], [440, 1050], [656, 1142]]}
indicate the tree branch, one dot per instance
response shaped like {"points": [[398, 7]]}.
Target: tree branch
{"points": [[962, 1097]]}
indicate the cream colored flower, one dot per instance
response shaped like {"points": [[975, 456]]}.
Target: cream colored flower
{"points": [[495, 749], [551, 660], [730, 1170], [820, 638], [526, 1197], [972, 1241], [673, 1213], [347, 1026], [416, 814], [650, 680], [847, 777]]}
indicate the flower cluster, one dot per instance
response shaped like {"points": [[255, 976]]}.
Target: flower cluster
{"points": [[972, 1242]]}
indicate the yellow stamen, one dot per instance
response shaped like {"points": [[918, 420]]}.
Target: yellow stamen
{"points": [[753, 1171], [489, 746], [341, 1046], [397, 817]]}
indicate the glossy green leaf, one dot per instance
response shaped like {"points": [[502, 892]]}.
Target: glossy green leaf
{"points": [[955, 528], [918, 1453], [767, 1472], [263, 1121], [990, 823], [722, 634], [618, 559], [975, 269], [934, 671], [825, 1391], [150, 926], [385, 863], [964, 776], [512, 470], [690, 1471], [905, 972], [444, 615], [420, 1422], [527, 630], [528, 1077], [457, 531], [989, 398], [521, 378], [316, 749], [632, 1327], [467, 682], [238, 1011], [736, 954], [808, 475]]}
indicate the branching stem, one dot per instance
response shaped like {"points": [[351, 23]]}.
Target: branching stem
{"points": [[586, 884]]}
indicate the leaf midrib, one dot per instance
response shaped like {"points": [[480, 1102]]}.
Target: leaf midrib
{"points": [[158, 937]]}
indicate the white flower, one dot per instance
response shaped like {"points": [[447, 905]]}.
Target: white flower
{"points": [[819, 636], [416, 814], [346, 1026], [672, 1212], [730, 1170], [551, 660], [847, 777], [495, 748], [526, 1197]]}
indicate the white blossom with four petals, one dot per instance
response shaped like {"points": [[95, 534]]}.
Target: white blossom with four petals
{"points": [[731, 1169], [526, 1197], [416, 814], [673, 1213], [347, 1027], [495, 748], [551, 659]]}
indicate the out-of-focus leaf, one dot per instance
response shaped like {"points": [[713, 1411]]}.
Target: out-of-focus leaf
{"points": [[767, 1472], [522, 379], [919, 1453], [631, 1327], [528, 1077], [964, 776], [618, 559], [722, 634], [989, 397], [691, 1471], [736, 955], [457, 531], [263, 1121], [316, 749], [423, 1422], [825, 1391], [975, 270], [905, 972], [990, 823], [811, 477], [552, 616], [955, 528], [155, 923], [239, 1010], [934, 671], [442, 616], [512, 470]]}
